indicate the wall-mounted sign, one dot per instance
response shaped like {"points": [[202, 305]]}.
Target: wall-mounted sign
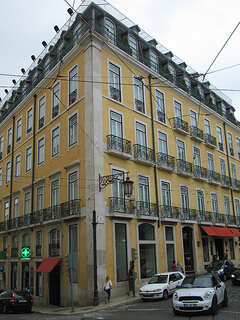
{"points": [[25, 253], [2, 255], [1, 268]]}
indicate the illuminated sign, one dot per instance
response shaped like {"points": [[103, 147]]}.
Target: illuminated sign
{"points": [[25, 253]]}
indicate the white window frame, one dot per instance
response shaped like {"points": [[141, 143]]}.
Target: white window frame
{"points": [[17, 165], [39, 158], [110, 62], [69, 128], [55, 149], [73, 84], [160, 106], [41, 111], [139, 94], [28, 164], [8, 172], [29, 120], [19, 130], [56, 89]]}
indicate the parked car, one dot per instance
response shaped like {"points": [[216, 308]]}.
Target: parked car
{"points": [[200, 293], [235, 277], [161, 285], [224, 268], [14, 300]]}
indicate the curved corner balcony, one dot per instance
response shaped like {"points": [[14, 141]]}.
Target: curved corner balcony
{"points": [[181, 125], [143, 154], [119, 146]]}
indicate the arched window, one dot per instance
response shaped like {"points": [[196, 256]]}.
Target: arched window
{"points": [[110, 30], [14, 247], [134, 46], [147, 250], [54, 246]]}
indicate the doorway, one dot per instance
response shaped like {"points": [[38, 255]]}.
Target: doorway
{"points": [[187, 234], [219, 247], [54, 286]]}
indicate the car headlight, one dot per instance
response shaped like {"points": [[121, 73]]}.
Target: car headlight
{"points": [[220, 271], [207, 295], [232, 276], [175, 296], [157, 290]]}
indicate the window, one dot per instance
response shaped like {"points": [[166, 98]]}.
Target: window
{"points": [[38, 243], [184, 202], [41, 113], [200, 202], [234, 172], [5, 244], [26, 241], [237, 209], [143, 185], [47, 65], [134, 46], [40, 198], [9, 140], [73, 186], [205, 245], [114, 86], [54, 247], [6, 210], [170, 246], [73, 132], [28, 159], [153, 61], [55, 141], [147, 250], [54, 193], [211, 167], [73, 249], [73, 85], [230, 144], [121, 251], [162, 143], [27, 204], [1, 147], [138, 95], [196, 159], [166, 195], [226, 205], [8, 171], [41, 148], [29, 120], [238, 147], [207, 127], [55, 100], [77, 32], [219, 138], [0, 177], [15, 207], [18, 166], [159, 99], [222, 168], [19, 130], [118, 190], [141, 134], [193, 119], [172, 72], [231, 247], [177, 110], [214, 201], [110, 30], [181, 150], [116, 124]]}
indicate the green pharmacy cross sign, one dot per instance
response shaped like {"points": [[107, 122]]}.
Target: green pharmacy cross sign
{"points": [[25, 253]]}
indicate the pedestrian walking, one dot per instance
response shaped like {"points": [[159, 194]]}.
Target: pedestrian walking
{"points": [[107, 288], [174, 267]]}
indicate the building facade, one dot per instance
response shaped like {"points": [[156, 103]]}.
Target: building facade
{"points": [[103, 102]]}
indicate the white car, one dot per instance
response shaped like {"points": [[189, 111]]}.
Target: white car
{"points": [[161, 285], [200, 293]]}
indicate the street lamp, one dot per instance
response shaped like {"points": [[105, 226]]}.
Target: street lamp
{"points": [[106, 180]]}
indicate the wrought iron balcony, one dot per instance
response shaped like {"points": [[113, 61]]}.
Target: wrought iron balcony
{"points": [[14, 252], [184, 167], [218, 217], [236, 184], [143, 153], [229, 219], [165, 161], [121, 205], [200, 172], [210, 140], [238, 220], [225, 181], [54, 249], [38, 250], [189, 214], [73, 97], [169, 212], [204, 216], [196, 133], [115, 94], [214, 177], [146, 208], [139, 105], [161, 116], [119, 144], [181, 125]]}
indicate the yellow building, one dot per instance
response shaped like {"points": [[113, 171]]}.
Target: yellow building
{"points": [[102, 103]]}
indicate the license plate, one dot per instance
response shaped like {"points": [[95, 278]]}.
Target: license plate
{"points": [[22, 300], [190, 305]]}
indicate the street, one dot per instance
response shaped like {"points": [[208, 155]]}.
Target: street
{"points": [[143, 311]]}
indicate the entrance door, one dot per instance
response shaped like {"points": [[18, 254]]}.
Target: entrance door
{"points": [[54, 286], [188, 249], [25, 275], [219, 247]]}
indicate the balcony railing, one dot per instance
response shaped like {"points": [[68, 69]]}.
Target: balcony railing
{"points": [[120, 144], [62, 211], [161, 116], [210, 140], [121, 205], [218, 217], [146, 208], [229, 219], [181, 124], [238, 220], [184, 167], [200, 172], [225, 181], [204, 216], [214, 177], [115, 94], [143, 153], [165, 160], [189, 214], [196, 132], [54, 249], [169, 212], [235, 184]]}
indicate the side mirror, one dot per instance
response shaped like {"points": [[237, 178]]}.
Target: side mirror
{"points": [[219, 286]]}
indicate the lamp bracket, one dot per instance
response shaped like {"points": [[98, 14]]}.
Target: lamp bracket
{"points": [[106, 180]]}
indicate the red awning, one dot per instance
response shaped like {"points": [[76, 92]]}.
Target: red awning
{"points": [[235, 232], [209, 230], [47, 264], [223, 231]]}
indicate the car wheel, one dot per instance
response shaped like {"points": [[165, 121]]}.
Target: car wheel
{"points": [[224, 278], [225, 300], [165, 294], [214, 307], [176, 312], [5, 309]]}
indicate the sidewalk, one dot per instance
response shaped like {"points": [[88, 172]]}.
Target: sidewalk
{"points": [[50, 309]]}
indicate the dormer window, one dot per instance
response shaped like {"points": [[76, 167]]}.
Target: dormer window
{"points": [[172, 71], [188, 83], [61, 46], [134, 46], [77, 32], [47, 65], [110, 30], [153, 60]]}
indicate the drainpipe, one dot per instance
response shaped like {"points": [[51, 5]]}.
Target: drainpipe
{"points": [[33, 152], [154, 149], [11, 178], [229, 172]]}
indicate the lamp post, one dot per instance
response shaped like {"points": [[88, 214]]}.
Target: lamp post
{"points": [[103, 182]]}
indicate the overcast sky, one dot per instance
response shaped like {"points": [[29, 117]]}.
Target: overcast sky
{"points": [[194, 30]]}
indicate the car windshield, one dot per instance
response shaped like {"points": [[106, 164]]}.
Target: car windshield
{"points": [[158, 279], [197, 282], [216, 264], [21, 294]]}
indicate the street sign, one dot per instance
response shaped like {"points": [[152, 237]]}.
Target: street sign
{"points": [[1, 268]]}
